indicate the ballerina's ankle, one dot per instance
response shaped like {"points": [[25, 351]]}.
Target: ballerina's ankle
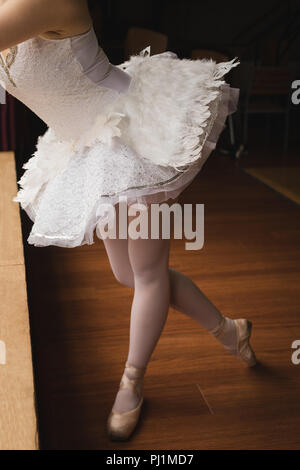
{"points": [[127, 399], [226, 333]]}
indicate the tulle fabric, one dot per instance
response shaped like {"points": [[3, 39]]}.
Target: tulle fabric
{"points": [[67, 221]]}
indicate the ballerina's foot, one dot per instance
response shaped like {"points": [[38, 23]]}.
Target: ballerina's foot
{"points": [[234, 335], [126, 410]]}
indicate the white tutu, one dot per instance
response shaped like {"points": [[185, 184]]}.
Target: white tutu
{"points": [[145, 138], [68, 208]]}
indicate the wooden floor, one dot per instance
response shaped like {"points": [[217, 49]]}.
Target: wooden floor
{"points": [[197, 396]]}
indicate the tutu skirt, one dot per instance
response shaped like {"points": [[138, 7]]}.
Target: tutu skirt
{"points": [[159, 137]]}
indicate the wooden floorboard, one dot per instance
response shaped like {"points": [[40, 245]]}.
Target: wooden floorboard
{"points": [[197, 396]]}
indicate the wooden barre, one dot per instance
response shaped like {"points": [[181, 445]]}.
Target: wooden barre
{"points": [[18, 422]]}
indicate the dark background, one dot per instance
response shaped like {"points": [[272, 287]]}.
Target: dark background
{"points": [[267, 31]]}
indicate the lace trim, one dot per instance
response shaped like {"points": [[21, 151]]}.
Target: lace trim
{"points": [[8, 61]]}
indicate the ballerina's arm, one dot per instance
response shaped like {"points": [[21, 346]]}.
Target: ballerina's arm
{"points": [[21, 20]]}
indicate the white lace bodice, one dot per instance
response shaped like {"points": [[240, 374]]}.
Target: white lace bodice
{"points": [[66, 82]]}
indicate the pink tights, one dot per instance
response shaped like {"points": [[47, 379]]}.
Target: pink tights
{"points": [[143, 264]]}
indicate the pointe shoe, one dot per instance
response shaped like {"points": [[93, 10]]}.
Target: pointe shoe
{"points": [[242, 349], [121, 425]]}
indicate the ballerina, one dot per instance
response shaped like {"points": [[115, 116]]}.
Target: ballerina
{"points": [[142, 130]]}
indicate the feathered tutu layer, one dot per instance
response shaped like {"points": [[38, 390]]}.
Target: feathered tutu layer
{"points": [[147, 147]]}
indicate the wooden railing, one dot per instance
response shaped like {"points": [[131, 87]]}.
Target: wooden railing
{"points": [[18, 423]]}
